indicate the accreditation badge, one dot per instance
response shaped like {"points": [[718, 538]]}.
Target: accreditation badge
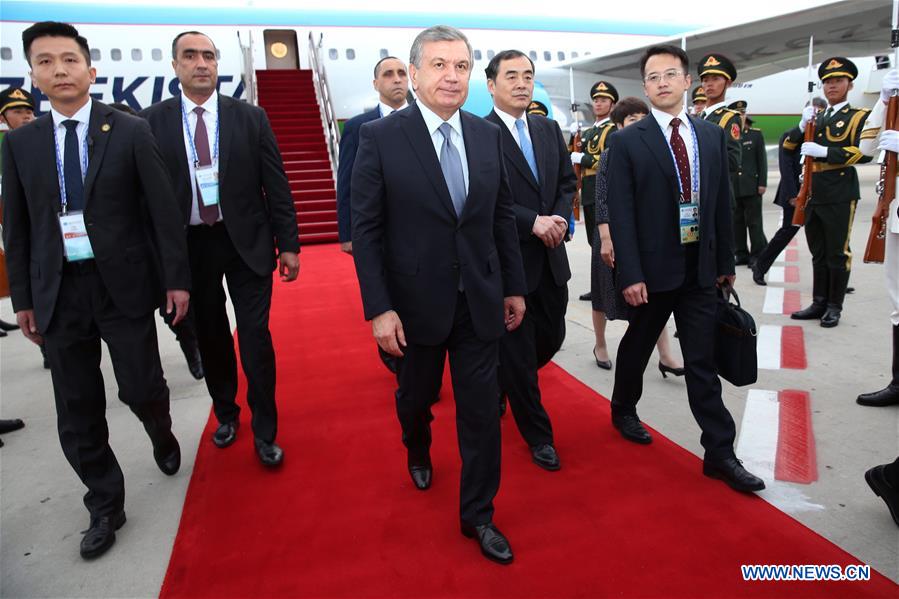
{"points": [[76, 244], [689, 223], [208, 184]]}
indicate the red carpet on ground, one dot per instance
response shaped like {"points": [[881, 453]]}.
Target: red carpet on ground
{"points": [[342, 519]]}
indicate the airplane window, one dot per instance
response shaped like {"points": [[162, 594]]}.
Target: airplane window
{"points": [[477, 55], [384, 53], [490, 54], [574, 54], [95, 55], [136, 54], [547, 55], [561, 55], [332, 54], [533, 55], [115, 54], [6, 53], [350, 54], [156, 53]]}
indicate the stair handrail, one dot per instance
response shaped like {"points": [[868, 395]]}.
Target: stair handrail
{"points": [[248, 72], [325, 103]]}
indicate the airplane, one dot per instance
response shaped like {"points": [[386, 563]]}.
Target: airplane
{"points": [[129, 47]]}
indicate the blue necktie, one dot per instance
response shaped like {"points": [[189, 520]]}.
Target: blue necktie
{"points": [[72, 168], [526, 148], [451, 165]]}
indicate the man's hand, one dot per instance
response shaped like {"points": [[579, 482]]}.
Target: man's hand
{"points": [[177, 299], [636, 295], [890, 82], [762, 190], [347, 247], [576, 158], [388, 331], [513, 311], [288, 266], [26, 322], [808, 114], [729, 278], [550, 229], [814, 150], [889, 140], [607, 251]]}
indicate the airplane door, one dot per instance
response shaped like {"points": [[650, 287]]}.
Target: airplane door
{"points": [[281, 49]]}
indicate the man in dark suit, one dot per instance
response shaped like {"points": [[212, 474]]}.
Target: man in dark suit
{"points": [[80, 248], [233, 194], [669, 207], [543, 185], [439, 267], [392, 84]]}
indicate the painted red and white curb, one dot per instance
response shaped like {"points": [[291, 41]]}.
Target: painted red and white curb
{"points": [[782, 301], [781, 347], [783, 274]]}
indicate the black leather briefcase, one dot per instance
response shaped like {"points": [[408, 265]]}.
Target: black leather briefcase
{"points": [[735, 340]]}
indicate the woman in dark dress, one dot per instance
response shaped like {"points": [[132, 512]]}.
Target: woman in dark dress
{"points": [[608, 303]]}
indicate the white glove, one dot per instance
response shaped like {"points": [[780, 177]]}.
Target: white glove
{"points": [[808, 114], [573, 128], [814, 150], [889, 141], [576, 158], [890, 82]]}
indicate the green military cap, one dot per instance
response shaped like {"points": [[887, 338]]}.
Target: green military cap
{"points": [[837, 66], [11, 97], [717, 64], [536, 107], [699, 95], [739, 106], [603, 89]]}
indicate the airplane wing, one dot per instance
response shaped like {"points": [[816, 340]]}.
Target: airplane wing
{"points": [[772, 45]]}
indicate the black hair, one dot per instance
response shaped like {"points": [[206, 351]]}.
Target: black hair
{"points": [[182, 34], [53, 29], [378, 64], [493, 66], [627, 107], [664, 49]]}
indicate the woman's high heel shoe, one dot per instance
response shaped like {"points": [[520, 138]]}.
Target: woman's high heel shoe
{"points": [[675, 371], [605, 365]]}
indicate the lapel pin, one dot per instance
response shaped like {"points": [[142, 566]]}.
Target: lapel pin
{"points": [[105, 127]]}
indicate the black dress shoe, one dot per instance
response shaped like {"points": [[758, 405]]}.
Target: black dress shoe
{"points": [[888, 396], [585, 297], [758, 277], [546, 457], [2, 333], [732, 472], [741, 262], [8, 326], [850, 290], [269, 453], [831, 318], [194, 361], [167, 453], [421, 477], [813, 312], [494, 544], [632, 429], [101, 535], [664, 369], [8, 426], [225, 434], [604, 364], [883, 489]]}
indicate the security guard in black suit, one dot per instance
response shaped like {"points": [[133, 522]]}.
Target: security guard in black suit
{"points": [[835, 191], [749, 187], [718, 73]]}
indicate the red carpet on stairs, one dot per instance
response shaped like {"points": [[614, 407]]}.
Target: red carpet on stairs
{"points": [[342, 519]]}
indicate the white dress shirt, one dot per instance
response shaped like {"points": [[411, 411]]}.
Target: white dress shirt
{"points": [[837, 107], [710, 109], [385, 109], [686, 132], [210, 115], [83, 116], [433, 122], [601, 122], [509, 121]]}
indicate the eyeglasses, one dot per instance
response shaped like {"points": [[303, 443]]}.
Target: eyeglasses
{"points": [[669, 75]]}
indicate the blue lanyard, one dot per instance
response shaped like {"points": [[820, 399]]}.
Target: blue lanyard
{"points": [[190, 138], [694, 179], [60, 171]]}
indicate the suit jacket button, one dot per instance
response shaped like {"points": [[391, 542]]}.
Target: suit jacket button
{"points": [[455, 266]]}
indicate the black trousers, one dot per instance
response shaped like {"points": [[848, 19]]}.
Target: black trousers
{"points": [[527, 349], [84, 315], [212, 257], [748, 217], [779, 242], [694, 310], [473, 365]]}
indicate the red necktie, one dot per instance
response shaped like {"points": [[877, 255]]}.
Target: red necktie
{"points": [[208, 214], [680, 158]]}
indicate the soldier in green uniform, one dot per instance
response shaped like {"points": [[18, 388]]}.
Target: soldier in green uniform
{"points": [[834, 191], [700, 100], [717, 73], [749, 187], [593, 143]]}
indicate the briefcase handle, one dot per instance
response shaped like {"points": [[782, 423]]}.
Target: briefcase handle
{"points": [[727, 290]]}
